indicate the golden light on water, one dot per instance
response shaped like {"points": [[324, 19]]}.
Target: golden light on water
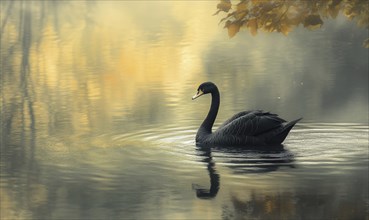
{"points": [[107, 55], [112, 42]]}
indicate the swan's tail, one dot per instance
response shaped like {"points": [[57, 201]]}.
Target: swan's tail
{"points": [[281, 134]]}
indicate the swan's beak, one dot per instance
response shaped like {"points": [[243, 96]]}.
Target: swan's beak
{"points": [[198, 94]]}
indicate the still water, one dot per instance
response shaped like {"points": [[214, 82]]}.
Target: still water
{"points": [[98, 123]]}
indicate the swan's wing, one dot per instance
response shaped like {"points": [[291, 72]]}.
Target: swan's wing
{"points": [[240, 114], [251, 124]]}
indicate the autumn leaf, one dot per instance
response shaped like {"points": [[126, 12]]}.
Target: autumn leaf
{"points": [[241, 11], [269, 27], [285, 29], [233, 28], [242, 6], [224, 5], [313, 22], [252, 24]]}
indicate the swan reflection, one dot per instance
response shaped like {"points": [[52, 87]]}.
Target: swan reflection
{"points": [[204, 193], [240, 161]]}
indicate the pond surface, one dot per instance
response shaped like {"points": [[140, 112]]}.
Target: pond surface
{"points": [[158, 173], [98, 122]]}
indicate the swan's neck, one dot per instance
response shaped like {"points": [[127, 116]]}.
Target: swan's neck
{"points": [[210, 118]]}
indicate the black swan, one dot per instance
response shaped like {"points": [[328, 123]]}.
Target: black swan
{"points": [[245, 128]]}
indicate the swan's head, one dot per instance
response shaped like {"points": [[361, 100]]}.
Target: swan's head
{"points": [[205, 88]]}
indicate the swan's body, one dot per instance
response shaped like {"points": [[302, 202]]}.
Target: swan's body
{"points": [[244, 128]]}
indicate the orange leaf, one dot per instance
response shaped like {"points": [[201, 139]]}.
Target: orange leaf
{"points": [[285, 29], [233, 29], [241, 10], [242, 6], [252, 24]]}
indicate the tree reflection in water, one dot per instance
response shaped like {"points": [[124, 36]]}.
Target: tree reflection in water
{"points": [[308, 204]]}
